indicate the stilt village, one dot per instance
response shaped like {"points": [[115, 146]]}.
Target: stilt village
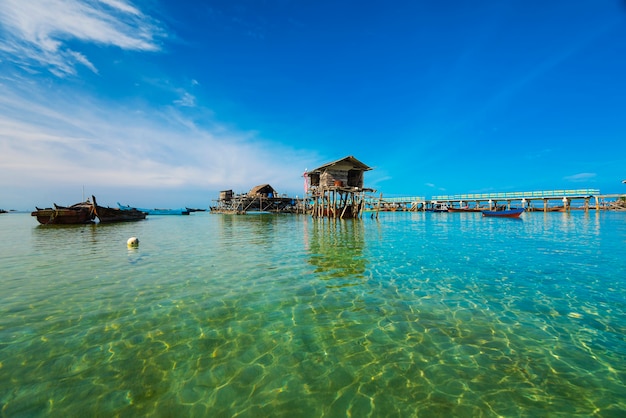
{"points": [[336, 190]]}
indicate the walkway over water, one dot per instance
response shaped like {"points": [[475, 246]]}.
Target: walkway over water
{"points": [[544, 194], [551, 199]]}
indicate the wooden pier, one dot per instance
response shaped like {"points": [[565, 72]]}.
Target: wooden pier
{"points": [[538, 201]]}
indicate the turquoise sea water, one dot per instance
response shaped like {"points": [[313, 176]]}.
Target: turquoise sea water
{"points": [[416, 314]]}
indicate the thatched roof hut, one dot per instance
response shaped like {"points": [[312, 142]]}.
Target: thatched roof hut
{"points": [[264, 190], [346, 172]]}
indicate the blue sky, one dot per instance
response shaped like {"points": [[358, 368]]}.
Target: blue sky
{"points": [[165, 103]]}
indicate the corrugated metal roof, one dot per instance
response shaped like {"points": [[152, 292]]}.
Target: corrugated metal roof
{"points": [[346, 161]]}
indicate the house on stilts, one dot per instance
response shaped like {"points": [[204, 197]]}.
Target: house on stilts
{"points": [[335, 190], [262, 198]]}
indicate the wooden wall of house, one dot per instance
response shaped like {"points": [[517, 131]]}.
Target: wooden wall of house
{"points": [[329, 177], [349, 178]]}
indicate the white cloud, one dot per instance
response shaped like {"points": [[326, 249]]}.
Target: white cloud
{"points": [[54, 138], [36, 32], [580, 177], [123, 6], [47, 142], [186, 100]]}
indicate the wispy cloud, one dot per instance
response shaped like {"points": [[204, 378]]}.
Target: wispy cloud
{"points": [[186, 100], [53, 136], [433, 186], [50, 141], [580, 177], [37, 33]]}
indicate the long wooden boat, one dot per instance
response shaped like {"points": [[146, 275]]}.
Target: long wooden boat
{"points": [[511, 213], [181, 211], [110, 215], [79, 213]]}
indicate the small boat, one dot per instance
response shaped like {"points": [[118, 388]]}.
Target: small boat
{"points": [[195, 210], [110, 215], [464, 209], [182, 211], [439, 207], [79, 213], [548, 209], [511, 213]]}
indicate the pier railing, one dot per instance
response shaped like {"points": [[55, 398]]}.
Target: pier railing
{"points": [[580, 193], [405, 199]]}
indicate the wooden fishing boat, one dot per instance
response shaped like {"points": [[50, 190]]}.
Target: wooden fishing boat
{"points": [[110, 215], [511, 213], [182, 211], [79, 213]]}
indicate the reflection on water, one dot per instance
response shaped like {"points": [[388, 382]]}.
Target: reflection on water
{"points": [[336, 248]]}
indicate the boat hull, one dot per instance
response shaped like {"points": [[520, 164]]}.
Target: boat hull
{"points": [[64, 216], [110, 215], [464, 210], [156, 211], [512, 213]]}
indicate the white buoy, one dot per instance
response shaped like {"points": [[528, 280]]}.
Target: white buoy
{"points": [[133, 242]]}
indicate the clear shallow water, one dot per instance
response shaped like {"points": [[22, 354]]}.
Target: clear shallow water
{"points": [[216, 315]]}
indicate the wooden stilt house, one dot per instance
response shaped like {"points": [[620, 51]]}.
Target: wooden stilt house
{"points": [[336, 190]]}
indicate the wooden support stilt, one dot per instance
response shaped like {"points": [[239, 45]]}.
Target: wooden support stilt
{"points": [[343, 212]]}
